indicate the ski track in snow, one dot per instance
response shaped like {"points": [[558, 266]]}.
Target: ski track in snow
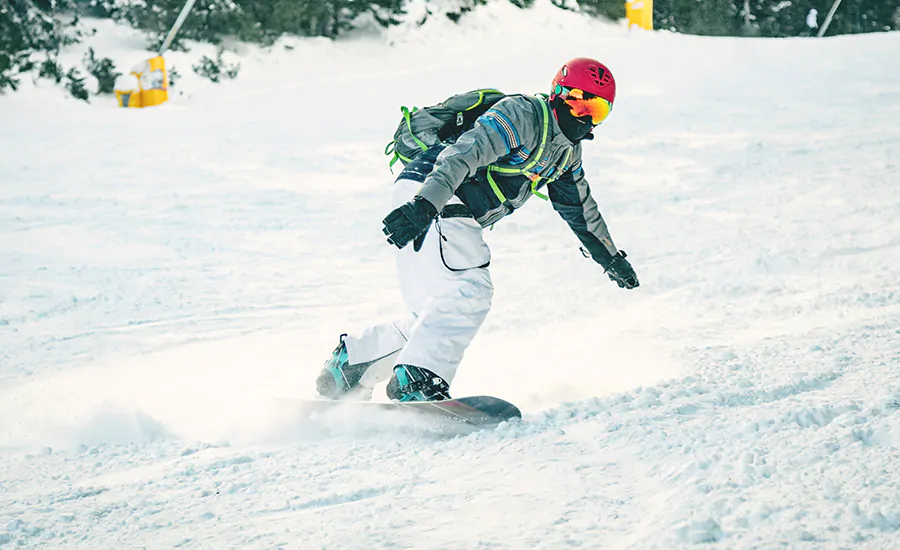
{"points": [[164, 272]]}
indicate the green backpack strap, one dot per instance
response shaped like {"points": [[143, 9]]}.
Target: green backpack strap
{"points": [[407, 116], [391, 148], [518, 171]]}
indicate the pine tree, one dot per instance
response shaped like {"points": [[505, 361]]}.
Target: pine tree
{"points": [[26, 27], [30, 35], [772, 18], [708, 17], [611, 9]]}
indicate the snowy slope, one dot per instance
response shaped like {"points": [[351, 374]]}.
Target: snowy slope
{"points": [[164, 272]]}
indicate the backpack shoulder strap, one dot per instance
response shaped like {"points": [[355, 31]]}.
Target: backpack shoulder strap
{"points": [[545, 126]]}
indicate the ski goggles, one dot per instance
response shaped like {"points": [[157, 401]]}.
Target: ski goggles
{"points": [[583, 103]]}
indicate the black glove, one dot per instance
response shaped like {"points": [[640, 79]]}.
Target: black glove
{"points": [[409, 221], [621, 272]]}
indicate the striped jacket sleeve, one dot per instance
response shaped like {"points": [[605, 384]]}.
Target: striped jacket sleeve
{"points": [[507, 125], [571, 198]]}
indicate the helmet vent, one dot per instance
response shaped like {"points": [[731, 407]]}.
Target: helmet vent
{"points": [[598, 75]]}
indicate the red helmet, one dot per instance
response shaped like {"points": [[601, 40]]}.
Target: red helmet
{"points": [[587, 75]]}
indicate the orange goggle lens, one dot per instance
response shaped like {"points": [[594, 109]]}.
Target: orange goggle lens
{"points": [[593, 106]]}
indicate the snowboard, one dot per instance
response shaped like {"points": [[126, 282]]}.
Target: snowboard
{"points": [[472, 412]]}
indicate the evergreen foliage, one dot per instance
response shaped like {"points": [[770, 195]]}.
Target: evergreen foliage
{"points": [[51, 69], [773, 18], [174, 75], [464, 8], [26, 27], [709, 17], [75, 84], [251, 20], [216, 69], [328, 18], [858, 16], [611, 9], [104, 70], [32, 28]]}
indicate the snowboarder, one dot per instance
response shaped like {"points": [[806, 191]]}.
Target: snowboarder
{"points": [[444, 198]]}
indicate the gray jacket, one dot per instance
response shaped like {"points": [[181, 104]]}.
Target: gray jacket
{"points": [[508, 137]]}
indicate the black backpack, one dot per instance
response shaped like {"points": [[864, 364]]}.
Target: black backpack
{"points": [[419, 129]]}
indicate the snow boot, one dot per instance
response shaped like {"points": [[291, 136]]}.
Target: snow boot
{"points": [[411, 383], [339, 378]]}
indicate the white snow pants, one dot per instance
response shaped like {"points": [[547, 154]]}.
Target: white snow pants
{"points": [[446, 286]]}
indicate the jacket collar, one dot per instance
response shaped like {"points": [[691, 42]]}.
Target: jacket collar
{"points": [[556, 137]]}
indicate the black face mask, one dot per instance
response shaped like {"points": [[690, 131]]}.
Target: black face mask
{"points": [[574, 128]]}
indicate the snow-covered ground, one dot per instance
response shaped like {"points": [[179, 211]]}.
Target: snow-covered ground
{"points": [[165, 272]]}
